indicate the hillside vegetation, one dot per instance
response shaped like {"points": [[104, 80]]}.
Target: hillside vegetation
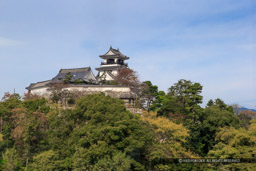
{"points": [[98, 133]]}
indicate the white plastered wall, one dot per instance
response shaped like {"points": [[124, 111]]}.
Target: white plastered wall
{"points": [[45, 91], [108, 77]]}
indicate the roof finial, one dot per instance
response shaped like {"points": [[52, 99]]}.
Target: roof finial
{"points": [[118, 49], [110, 46]]}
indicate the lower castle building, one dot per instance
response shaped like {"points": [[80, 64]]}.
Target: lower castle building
{"points": [[83, 80]]}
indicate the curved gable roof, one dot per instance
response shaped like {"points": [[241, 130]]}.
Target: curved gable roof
{"points": [[82, 74], [114, 53]]}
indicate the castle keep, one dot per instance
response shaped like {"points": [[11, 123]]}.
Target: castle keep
{"points": [[83, 79]]}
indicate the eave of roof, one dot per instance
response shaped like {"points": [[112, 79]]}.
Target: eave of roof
{"points": [[75, 70], [110, 68], [113, 56], [82, 74], [38, 85]]}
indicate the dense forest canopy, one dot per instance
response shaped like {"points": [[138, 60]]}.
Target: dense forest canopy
{"points": [[98, 133]]}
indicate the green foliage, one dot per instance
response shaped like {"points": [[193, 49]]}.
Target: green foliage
{"points": [[235, 143], [182, 98], [9, 103], [170, 106], [11, 160], [98, 133], [45, 161], [78, 81], [68, 78], [118, 162], [28, 132], [61, 124], [70, 100], [107, 128], [153, 89], [60, 95], [158, 102], [220, 104], [39, 105], [181, 105], [23, 126], [150, 93], [186, 93], [213, 120], [169, 140]]}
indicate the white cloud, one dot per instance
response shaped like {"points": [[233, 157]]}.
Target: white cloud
{"points": [[248, 47], [9, 42], [204, 41]]}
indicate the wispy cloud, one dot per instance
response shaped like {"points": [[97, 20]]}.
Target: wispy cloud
{"points": [[211, 42], [9, 42]]}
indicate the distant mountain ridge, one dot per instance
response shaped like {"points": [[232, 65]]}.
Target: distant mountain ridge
{"points": [[244, 108]]}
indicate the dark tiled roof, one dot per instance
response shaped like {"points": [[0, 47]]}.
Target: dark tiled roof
{"points": [[82, 74], [127, 96], [116, 54], [38, 84], [72, 70]]}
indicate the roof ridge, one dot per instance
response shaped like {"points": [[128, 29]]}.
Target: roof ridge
{"points": [[42, 81], [75, 68]]}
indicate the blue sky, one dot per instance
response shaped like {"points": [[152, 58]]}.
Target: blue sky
{"points": [[212, 42]]}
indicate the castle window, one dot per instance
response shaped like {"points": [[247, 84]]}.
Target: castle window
{"points": [[120, 61], [111, 61]]}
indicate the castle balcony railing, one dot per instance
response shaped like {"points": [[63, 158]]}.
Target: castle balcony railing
{"points": [[109, 63]]}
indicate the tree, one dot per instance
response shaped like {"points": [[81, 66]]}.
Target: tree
{"points": [[220, 104], [170, 138], [245, 117], [149, 93], [128, 77], [36, 104], [9, 103], [46, 160], [96, 132], [59, 93], [213, 120], [186, 93], [68, 78], [210, 103], [11, 160], [235, 143], [170, 106], [8, 96], [23, 127], [158, 102], [236, 108], [29, 132], [181, 105]]}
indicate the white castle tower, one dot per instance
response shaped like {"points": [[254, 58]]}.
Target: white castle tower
{"points": [[113, 62]]}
